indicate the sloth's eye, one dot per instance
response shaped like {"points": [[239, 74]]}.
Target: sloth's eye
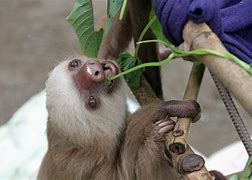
{"points": [[74, 64], [92, 102]]}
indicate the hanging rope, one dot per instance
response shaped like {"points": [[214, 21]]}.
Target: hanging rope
{"points": [[234, 115]]}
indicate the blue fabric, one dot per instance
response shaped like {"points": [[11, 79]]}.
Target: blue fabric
{"points": [[231, 20]]}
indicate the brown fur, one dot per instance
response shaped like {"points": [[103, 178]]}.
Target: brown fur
{"points": [[118, 37], [142, 153], [66, 160], [138, 153]]}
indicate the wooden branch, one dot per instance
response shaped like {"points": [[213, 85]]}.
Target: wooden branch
{"points": [[231, 75], [190, 165], [193, 168], [181, 131]]}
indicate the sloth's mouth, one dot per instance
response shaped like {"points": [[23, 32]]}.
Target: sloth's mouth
{"points": [[110, 70]]}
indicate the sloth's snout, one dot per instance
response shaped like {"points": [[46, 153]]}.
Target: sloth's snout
{"points": [[94, 71], [90, 74]]}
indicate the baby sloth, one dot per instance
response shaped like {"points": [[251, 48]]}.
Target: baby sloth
{"points": [[92, 137]]}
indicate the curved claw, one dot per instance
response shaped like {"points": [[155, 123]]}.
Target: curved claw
{"points": [[165, 126]]}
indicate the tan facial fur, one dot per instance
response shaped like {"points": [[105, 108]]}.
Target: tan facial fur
{"points": [[74, 130]]}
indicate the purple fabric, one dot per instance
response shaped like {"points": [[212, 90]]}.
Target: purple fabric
{"points": [[231, 20]]}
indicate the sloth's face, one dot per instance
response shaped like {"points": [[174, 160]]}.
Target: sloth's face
{"points": [[90, 78], [78, 91]]}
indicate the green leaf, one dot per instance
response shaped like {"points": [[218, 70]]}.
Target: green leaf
{"points": [[233, 177], [82, 20], [144, 65], [112, 8], [247, 172], [157, 28], [127, 61]]}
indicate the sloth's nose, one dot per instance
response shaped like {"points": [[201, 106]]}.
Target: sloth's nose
{"points": [[94, 71]]}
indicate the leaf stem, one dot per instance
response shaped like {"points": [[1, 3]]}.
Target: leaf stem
{"points": [[198, 52], [140, 66], [123, 9], [171, 46], [151, 21], [226, 55]]}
